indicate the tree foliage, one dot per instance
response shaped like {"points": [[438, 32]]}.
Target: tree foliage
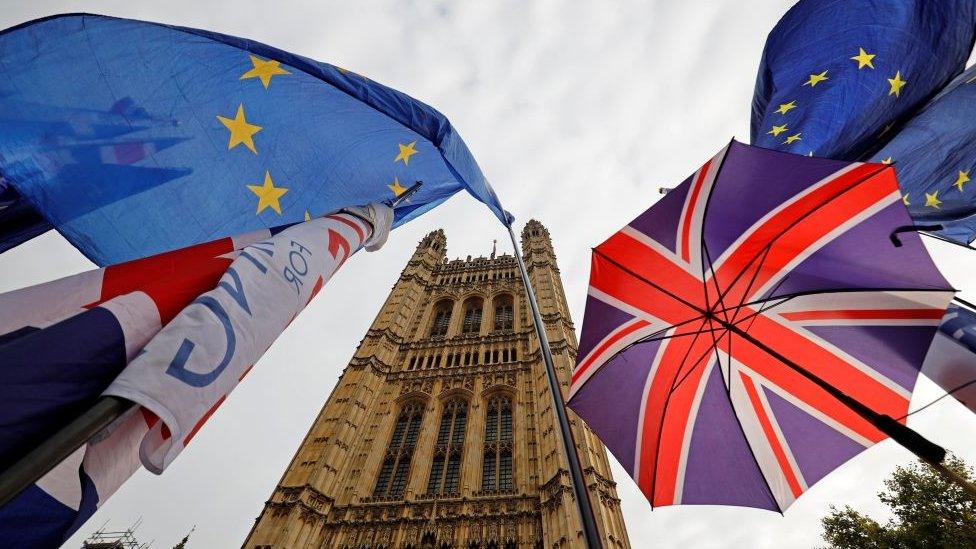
{"points": [[929, 513]]}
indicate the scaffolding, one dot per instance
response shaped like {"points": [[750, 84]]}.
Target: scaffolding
{"points": [[115, 539]]}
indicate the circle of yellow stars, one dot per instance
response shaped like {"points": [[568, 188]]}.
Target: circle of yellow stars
{"points": [[864, 60], [242, 131], [896, 83]]}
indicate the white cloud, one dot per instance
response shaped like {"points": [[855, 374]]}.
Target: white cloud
{"points": [[577, 112]]}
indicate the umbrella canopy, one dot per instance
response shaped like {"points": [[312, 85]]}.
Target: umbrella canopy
{"points": [[716, 319]]}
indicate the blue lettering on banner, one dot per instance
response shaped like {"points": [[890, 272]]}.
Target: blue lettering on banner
{"points": [[177, 367], [254, 260], [294, 272], [237, 290]]}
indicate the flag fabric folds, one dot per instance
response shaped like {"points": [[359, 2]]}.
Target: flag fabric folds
{"points": [[935, 153], [63, 343], [190, 367], [171, 136], [951, 362], [836, 76], [19, 221]]}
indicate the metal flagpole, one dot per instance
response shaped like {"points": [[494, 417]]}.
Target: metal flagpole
{"points": [[46, 456], [575, 471]]}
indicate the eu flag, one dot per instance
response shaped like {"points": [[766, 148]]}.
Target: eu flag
{"points": [[836, 76], [934, 154], [132, 138]]}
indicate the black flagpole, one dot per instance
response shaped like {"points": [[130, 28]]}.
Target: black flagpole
{"points": [[590, 530], [46, 456]]}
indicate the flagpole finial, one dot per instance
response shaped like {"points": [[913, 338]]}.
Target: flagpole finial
{"points": [[404, 197]]}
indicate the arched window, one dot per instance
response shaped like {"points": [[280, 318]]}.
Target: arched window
{"points": [[504, 313], [396, 465], [496, 472], [445, 470], [442, 317], [472, 316]]}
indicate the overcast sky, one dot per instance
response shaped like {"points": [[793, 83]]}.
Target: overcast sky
{"points": [[577, 113]]}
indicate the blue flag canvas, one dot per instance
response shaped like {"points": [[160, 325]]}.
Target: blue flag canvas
{"points": [[934, 154], [133, 138], [837, 76]]}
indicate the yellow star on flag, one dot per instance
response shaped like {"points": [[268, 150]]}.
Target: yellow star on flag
{"points": [[887, 160], [786, 107], [896, 84], [406, 151], [863, 59], [307, 216], [792, 138], [264, 70], [904, 200], [241, 131], [932, 200], [816, 79], [961, 179], [268, 194], [777, 130], [396, 187]]}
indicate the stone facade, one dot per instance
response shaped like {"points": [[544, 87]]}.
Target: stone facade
{"points": [[441, 432]]}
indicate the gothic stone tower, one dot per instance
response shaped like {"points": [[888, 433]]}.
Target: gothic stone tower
{"points": [[441, 431]]}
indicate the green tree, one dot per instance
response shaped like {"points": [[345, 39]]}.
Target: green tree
{"points": [[929, 513]]}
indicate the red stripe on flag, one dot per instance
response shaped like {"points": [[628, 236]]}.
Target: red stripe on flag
{"points": [[767, 427], [355, 226], [171, 279], [206, 416], [866, 314], [133, 275], [793, 230], [679, 419], [689, 211], [247, 371], [149, 417], [588, 361]]}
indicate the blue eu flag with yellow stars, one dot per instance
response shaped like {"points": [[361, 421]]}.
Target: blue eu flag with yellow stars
{"points": [[132, 138], [934, 154], [837, 76]]}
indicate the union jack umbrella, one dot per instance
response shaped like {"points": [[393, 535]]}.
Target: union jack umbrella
{"points": [[756, 328]]}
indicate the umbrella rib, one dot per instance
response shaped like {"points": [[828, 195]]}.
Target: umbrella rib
{"points": [[727, 379], [721, 303], [742, 431], [752, 281], [695, 364], [766, 305], [718, 289], [664, 408], [795, 222]]}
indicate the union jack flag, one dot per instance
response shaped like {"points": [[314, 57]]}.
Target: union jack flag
{"points": [[795, 253]]}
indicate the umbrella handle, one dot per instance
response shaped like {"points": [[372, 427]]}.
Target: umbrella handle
{"points": [[926, 450], [955, 478], [910, 229]]}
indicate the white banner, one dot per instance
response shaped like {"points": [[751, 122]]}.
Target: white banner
{"points": [[189, 368]]}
